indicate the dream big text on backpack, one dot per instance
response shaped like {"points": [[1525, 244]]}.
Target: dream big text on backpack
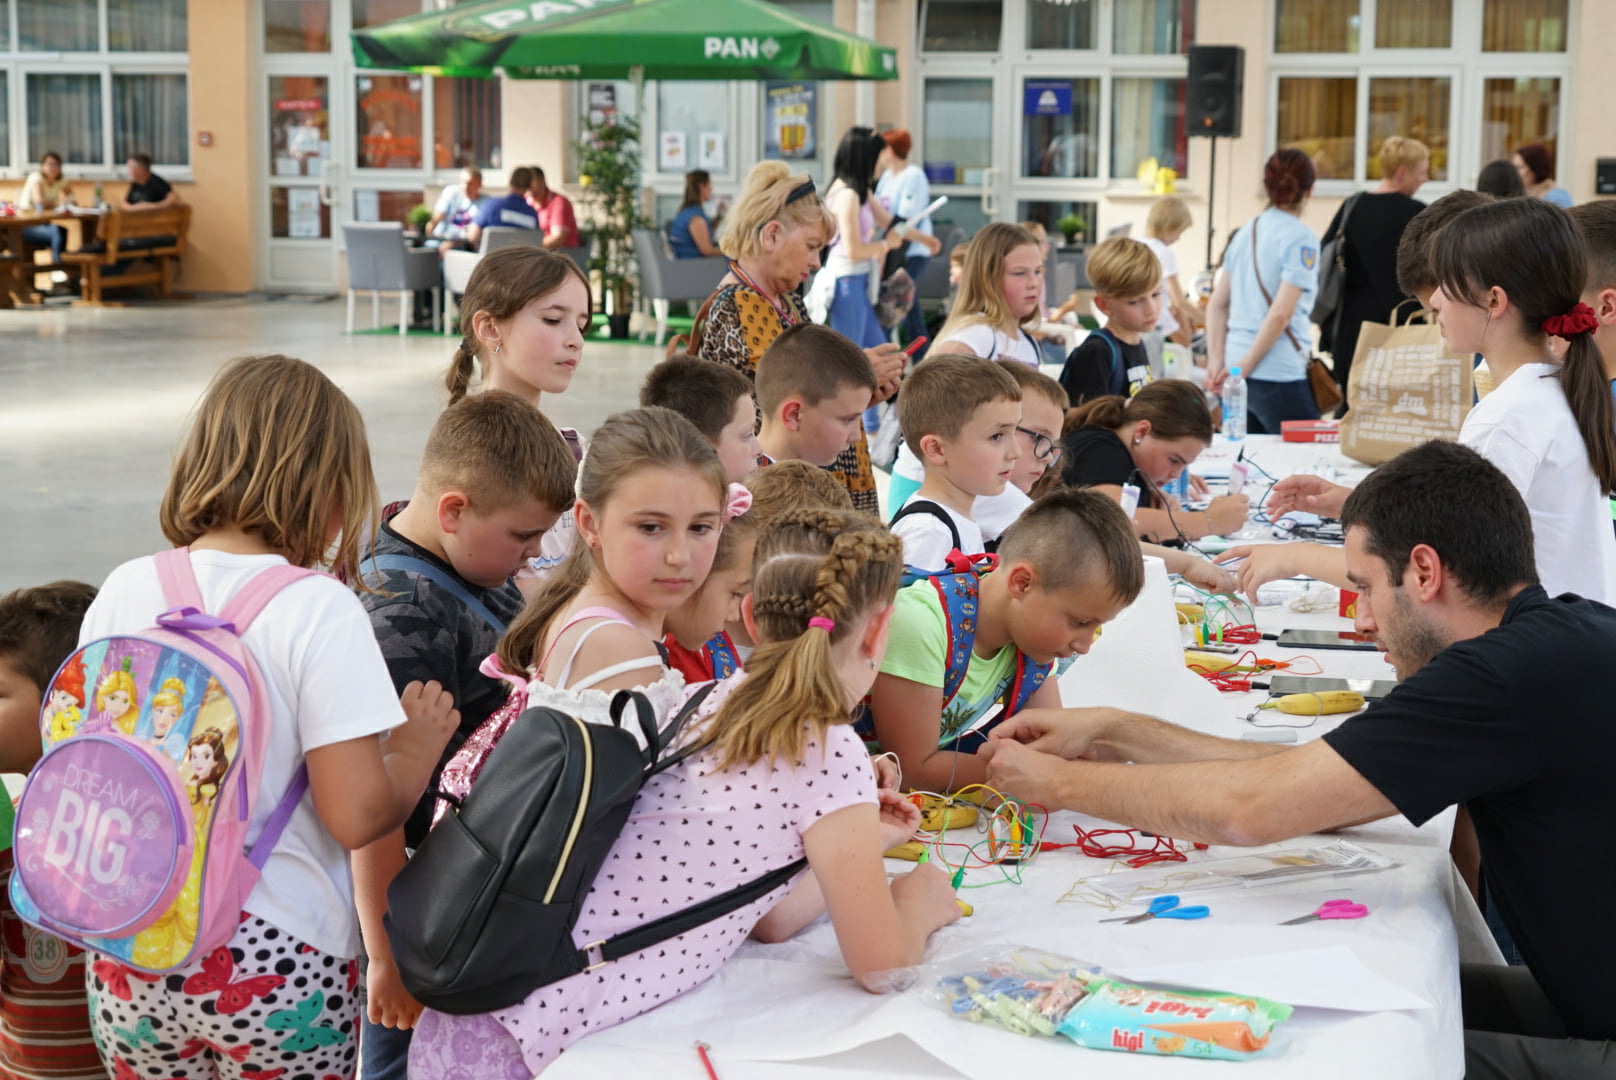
{"points": [[131, 831]]}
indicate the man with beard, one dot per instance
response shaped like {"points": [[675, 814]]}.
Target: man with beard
{"points": [[1502, 706]]}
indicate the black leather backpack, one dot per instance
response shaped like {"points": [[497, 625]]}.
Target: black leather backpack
{"points": [[483, 914]]}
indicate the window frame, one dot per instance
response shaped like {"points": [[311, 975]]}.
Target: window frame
{"points": [[104, 63], [1463, 63]]}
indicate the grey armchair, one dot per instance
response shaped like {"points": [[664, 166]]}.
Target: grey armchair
{"points": [[379, 261], [500, 236], [933, 283], [665, 279]]}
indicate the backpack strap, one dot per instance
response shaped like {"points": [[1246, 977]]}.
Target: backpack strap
{"points": [[722, 655], [435, 574], [957, 592], [930, 509], [660, 930], [1028, 678], [178, 580], [670, 734], [1116, 361]]}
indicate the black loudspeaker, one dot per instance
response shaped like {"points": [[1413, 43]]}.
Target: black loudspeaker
{"points": [[1216, 84]]}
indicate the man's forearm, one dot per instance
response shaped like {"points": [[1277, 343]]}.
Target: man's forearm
{"points": [[1203, 802], [1146, 740]]}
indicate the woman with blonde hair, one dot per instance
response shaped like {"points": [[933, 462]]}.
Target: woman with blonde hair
{"points": [[776, 230]]}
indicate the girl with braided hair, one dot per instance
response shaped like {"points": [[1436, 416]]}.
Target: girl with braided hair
{"points": [[780, 776]]}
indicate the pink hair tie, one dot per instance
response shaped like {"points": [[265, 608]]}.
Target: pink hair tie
{"points": [[740, 501], [819, 622]]}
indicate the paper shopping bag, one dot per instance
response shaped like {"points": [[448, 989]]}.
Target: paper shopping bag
{"points": [[1405, 389]]}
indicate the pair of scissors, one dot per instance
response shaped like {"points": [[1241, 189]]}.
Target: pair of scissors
{"points": [[1332, 909], [1165, 907]]}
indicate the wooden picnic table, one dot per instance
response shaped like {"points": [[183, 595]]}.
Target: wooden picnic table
{"points": [[17, 268]]}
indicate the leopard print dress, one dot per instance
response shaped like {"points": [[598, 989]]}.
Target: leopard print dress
{"points": [[740, 325]]}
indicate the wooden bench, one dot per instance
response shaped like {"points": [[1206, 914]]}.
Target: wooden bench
{"points": [[128, 235]]}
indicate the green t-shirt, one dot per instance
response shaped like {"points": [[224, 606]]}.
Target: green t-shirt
{"points": [[8, 819], [917, 650]]}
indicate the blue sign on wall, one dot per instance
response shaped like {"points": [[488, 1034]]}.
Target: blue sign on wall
{"points": [[1048, 99]]}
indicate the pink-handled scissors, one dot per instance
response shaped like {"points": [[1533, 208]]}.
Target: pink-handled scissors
{"points": [[1332, 909]]}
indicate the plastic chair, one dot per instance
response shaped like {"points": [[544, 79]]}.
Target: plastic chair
{"points": [[933, 283], [379, 261], [457, 268], [664, 279], [502, 236]]}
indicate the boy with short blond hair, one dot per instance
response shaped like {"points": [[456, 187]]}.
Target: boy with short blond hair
{"points": [[813, 386], [1127, 278], [1067, 565], [717, 399], [495, 475], [959, 416], [1043, 410]]}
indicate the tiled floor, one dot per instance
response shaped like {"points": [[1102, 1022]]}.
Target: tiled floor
{"points": [[93, 402]]}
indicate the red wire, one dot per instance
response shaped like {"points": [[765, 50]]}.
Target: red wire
{"points": [[1161, 849]]}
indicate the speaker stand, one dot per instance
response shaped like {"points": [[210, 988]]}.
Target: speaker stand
{"points": [[1211, 192]]}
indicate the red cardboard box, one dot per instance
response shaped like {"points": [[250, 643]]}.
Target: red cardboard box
{"points": [[1311, 430]]}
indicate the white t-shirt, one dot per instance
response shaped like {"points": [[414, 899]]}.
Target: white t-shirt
{"points": [[1169, 265], [326, 683], [1525, 427], [996, 513], [926, 540], [985, 341]]}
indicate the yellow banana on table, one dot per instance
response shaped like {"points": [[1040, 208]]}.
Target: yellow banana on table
{"points": [[1320, 703], [1207, 663]]}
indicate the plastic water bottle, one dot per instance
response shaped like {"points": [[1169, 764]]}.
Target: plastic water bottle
{"points": [[1234, 406]]}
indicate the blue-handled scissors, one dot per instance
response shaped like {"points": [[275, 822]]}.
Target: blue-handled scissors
{"points": [[1165, 907]]}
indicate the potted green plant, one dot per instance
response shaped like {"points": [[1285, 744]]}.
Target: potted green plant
{"points": [[1070, 226], [416, 217], [609, 171]]}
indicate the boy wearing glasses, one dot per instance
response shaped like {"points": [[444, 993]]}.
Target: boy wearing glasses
{"points": [[1043, 407]]}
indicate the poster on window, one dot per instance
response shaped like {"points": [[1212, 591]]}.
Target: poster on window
{"points": [[602, 104], [671, 156], [790, 120], [710, 151], [303, 213]]}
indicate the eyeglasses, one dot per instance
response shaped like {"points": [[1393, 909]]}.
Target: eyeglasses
{"points": [[1043, 447]]}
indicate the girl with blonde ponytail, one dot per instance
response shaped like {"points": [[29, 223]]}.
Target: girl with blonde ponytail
{"points": [[780, 776]]}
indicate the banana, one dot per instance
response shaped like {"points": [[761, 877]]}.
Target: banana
{"points": [[936, 815], [1322, 703], [1193, 612], [1205, 663], [910, 850]]}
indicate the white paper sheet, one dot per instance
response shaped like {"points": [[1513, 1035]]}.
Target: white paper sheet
{"points": [[1327, 978]]}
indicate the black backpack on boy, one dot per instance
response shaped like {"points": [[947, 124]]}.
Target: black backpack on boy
{"points": [[483, 914]]}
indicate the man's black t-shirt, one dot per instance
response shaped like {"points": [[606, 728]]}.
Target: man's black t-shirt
{"points": [[154, 190], [1104, 365], [1516, 725], [426, 633]]}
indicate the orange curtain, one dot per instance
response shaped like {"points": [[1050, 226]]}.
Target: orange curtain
{"points": [[1319, 117]]}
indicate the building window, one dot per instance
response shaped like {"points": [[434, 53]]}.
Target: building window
{"points": [[1316, 26], [375, 12], [1047, 214], [1153, 27], [388, 117], [5, 120], [1147, 121], [1516, 112], [297, 26], [961, 25], [149, 117], [299, 124], [64, 115], [465, 123], [959, 124], [1523, 26], [1065, 144], [1414, 108], [58, 26], [689, 115], [1413, 24], [1320, 117], [1062, 24], [146, 26]]}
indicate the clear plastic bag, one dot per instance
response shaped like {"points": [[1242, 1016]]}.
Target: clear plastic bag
{"points": [[1035, 993]]}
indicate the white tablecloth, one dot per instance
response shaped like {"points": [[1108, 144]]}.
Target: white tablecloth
{"points": [[790, 1011]]}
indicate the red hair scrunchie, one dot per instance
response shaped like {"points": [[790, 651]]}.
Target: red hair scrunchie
{"points": [[1579, 320]]}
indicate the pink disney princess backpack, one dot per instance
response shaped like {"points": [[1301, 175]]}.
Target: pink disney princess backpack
{"points": [[131, 835]]}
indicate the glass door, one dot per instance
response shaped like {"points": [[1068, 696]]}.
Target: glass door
{"points": [[303, 166], [962, 150]]}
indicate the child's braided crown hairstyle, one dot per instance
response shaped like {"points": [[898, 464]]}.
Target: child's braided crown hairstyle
{"points": [[829, 564]]}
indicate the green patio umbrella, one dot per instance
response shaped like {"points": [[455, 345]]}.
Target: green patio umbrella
{"points": [[620, 39]]}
